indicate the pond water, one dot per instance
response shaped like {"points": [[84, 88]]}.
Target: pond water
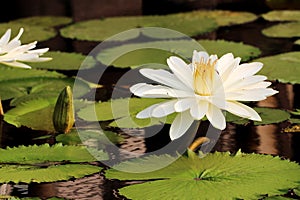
{"points": [[268, 139]]}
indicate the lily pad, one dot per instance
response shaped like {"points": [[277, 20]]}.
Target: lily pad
{"points": [[45, 163], [284, 30], [284, 67], [297, 42], [65, 61], [123, 111], [38, 154], [100, 30], [222, 17], [36, 114], [45, 21], [282, 15], [135, 55], [138, 54], [101, 138], [217, 175], [221, 47], [28, 174], [22, 87], [31, 33], [268, 115]]}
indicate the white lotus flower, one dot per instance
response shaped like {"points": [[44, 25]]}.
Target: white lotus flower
{"points": [[205, 87], [12, 53]]}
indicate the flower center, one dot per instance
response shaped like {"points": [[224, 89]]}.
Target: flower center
{"points": [[204, 73]]}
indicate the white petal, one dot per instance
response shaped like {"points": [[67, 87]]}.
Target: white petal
{"points": [[226, 74], [263, 84], [141, 88], [184, 104], [39, 51], [42, 59], [168, 92], [216, 117], [251, 95], [224, 62], [247, 69], [17, 64], [181, 124], [235, 108], [164, 77], [253, 114], [240, 82], [199, 110], [164, 109], [146, 113], [197, 56], [181, 70], [5, 38]]}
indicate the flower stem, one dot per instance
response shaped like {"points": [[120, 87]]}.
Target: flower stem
{"points": [[199, 141]]}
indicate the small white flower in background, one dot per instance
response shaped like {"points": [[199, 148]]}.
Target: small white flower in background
{"points": [[203, 88], [12, 53]]}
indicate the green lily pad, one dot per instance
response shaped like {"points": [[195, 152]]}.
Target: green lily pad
{"points": [[36, 114], [101, 138], [297, 42], [268, 115], [45, 163], [138, 54], [282, 15], [31, 33], [65, 61], [221, 47], [284, 30], [28, 174], [283, 67], [9, 73], [45, 21], [23, 85], [217, 175], [123, 115], [44, 154], [222, 17], [135, 55], [100, 30]]}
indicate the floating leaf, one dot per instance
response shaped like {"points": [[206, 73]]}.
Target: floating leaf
{"points": [[28, 174], [99, 30], [89, 136], [65, 61], [282, 15], [42, 163], [277, 198], [221, 47], [217, 175], [45, 153], [9, 73], [38, 87], [284, 30], [35, 114], [268, 115], [283, 67], [123, 111], [297, 42], [148, 52], [31, 33], [222, 17], [45, 21]]}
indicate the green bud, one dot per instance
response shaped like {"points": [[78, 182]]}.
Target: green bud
{"points": [[63, 116]]}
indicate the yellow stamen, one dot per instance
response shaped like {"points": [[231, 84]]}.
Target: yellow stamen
{"points": [[204, 76]]}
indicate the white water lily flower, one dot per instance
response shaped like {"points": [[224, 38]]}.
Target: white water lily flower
{"points": [[12, 53], [205, 87]]}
